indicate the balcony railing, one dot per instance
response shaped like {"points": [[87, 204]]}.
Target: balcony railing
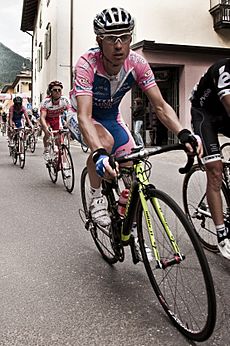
{"points": [[221, 15]]}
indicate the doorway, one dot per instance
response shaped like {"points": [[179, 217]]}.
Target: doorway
{"points": [[153, 131]]}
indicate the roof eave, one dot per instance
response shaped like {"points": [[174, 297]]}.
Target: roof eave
{"points": [[146, 45]]}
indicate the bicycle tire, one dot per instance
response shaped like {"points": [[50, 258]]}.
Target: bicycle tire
{"points": [[185, 290], [197, 209], [102, 238], [22, 153], [67, 168], [32, 143]]}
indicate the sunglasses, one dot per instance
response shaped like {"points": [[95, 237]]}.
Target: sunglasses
{"points": [[113, 39], [56, 90]]}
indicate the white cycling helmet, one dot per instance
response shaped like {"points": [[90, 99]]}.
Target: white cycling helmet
{"points": [[113, 19]]}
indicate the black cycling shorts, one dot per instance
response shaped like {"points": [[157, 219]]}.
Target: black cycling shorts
{"points": [[207, 127]]}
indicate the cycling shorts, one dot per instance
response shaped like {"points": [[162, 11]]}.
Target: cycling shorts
{"points": [[19, 123], [208, 129], [54, 123], [123, 140]]}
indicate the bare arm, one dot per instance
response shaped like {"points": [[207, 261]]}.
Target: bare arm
{"points": [[167, 115], [164, 111], [226, 102], [84, 114], [43, 122], [27, 118]]}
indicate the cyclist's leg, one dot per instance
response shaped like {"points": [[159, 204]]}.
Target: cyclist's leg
{"points": [[98, 206], [208, 131]]}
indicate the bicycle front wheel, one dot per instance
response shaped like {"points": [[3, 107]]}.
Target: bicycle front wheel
{"points": [[67, 168], [101, 237], [197, 209], [22, 153], [184, 286], [32, 143]]}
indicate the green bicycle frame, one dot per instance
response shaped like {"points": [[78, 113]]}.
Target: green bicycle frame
{"points": [[141, 183]]}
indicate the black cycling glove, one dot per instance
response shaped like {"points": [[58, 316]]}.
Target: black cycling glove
{"points": [[186, 136]]}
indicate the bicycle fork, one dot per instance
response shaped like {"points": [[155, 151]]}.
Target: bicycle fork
{"points": [[161, 263]]}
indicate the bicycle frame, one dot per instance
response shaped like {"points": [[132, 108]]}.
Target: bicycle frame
{"points": [[139, 187]]}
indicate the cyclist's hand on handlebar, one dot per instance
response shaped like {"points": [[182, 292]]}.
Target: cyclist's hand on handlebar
{"points": [[192, 142], [104, 166]]}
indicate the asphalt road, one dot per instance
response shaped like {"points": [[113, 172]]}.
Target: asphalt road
{"points": [[56, 290]]}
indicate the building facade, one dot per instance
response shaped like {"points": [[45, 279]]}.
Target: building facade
{"points": [[180, 39]]}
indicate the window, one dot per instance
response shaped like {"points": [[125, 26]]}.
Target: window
{"points": [[48, 41], [40, 57], [40, 16]]}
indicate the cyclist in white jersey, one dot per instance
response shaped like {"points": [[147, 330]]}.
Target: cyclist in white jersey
{"points": [[103, 76]]}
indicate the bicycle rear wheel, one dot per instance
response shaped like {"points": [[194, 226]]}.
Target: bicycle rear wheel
{"points": [[184, 288], [197, 209], [101, 237], [67, 168]]}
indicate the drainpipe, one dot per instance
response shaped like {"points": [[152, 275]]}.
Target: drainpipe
{"points": [[32, 60], [71, 43]]}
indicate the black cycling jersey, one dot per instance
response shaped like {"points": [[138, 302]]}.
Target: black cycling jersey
{"points": [[213, 85]]}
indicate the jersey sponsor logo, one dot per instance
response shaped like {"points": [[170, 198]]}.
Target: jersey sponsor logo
{"points": [[224, 78], [148, 81], [137, 59], [211, 158], [148, 73], [206, 94], [84, 81]]}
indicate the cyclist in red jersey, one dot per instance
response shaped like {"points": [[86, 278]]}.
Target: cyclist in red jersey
{"points": [[210, 110], [103, 76], [51, 110]]}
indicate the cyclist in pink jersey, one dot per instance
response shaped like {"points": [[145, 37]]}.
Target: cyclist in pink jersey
{"points": [[102, 77], [51, 110]]}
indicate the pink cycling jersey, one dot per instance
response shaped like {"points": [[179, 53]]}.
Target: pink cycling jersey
{"points": [[107, 92]]}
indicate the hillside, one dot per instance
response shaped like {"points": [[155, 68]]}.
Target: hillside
{"points": [[10, 65]]}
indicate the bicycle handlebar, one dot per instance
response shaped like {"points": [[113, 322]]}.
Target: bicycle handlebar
{"points": [[144, 153]]}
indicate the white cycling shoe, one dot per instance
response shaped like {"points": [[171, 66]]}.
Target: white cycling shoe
{"points": [[99, 212], [224, 247], [148, 251]]}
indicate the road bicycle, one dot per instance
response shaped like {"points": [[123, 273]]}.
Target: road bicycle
{"points": [[179, 274], [18, 151], [195, 201], [60, 160]]}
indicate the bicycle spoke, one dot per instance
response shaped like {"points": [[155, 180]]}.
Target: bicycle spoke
{"points": [[185, 288], [197, 209]]}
